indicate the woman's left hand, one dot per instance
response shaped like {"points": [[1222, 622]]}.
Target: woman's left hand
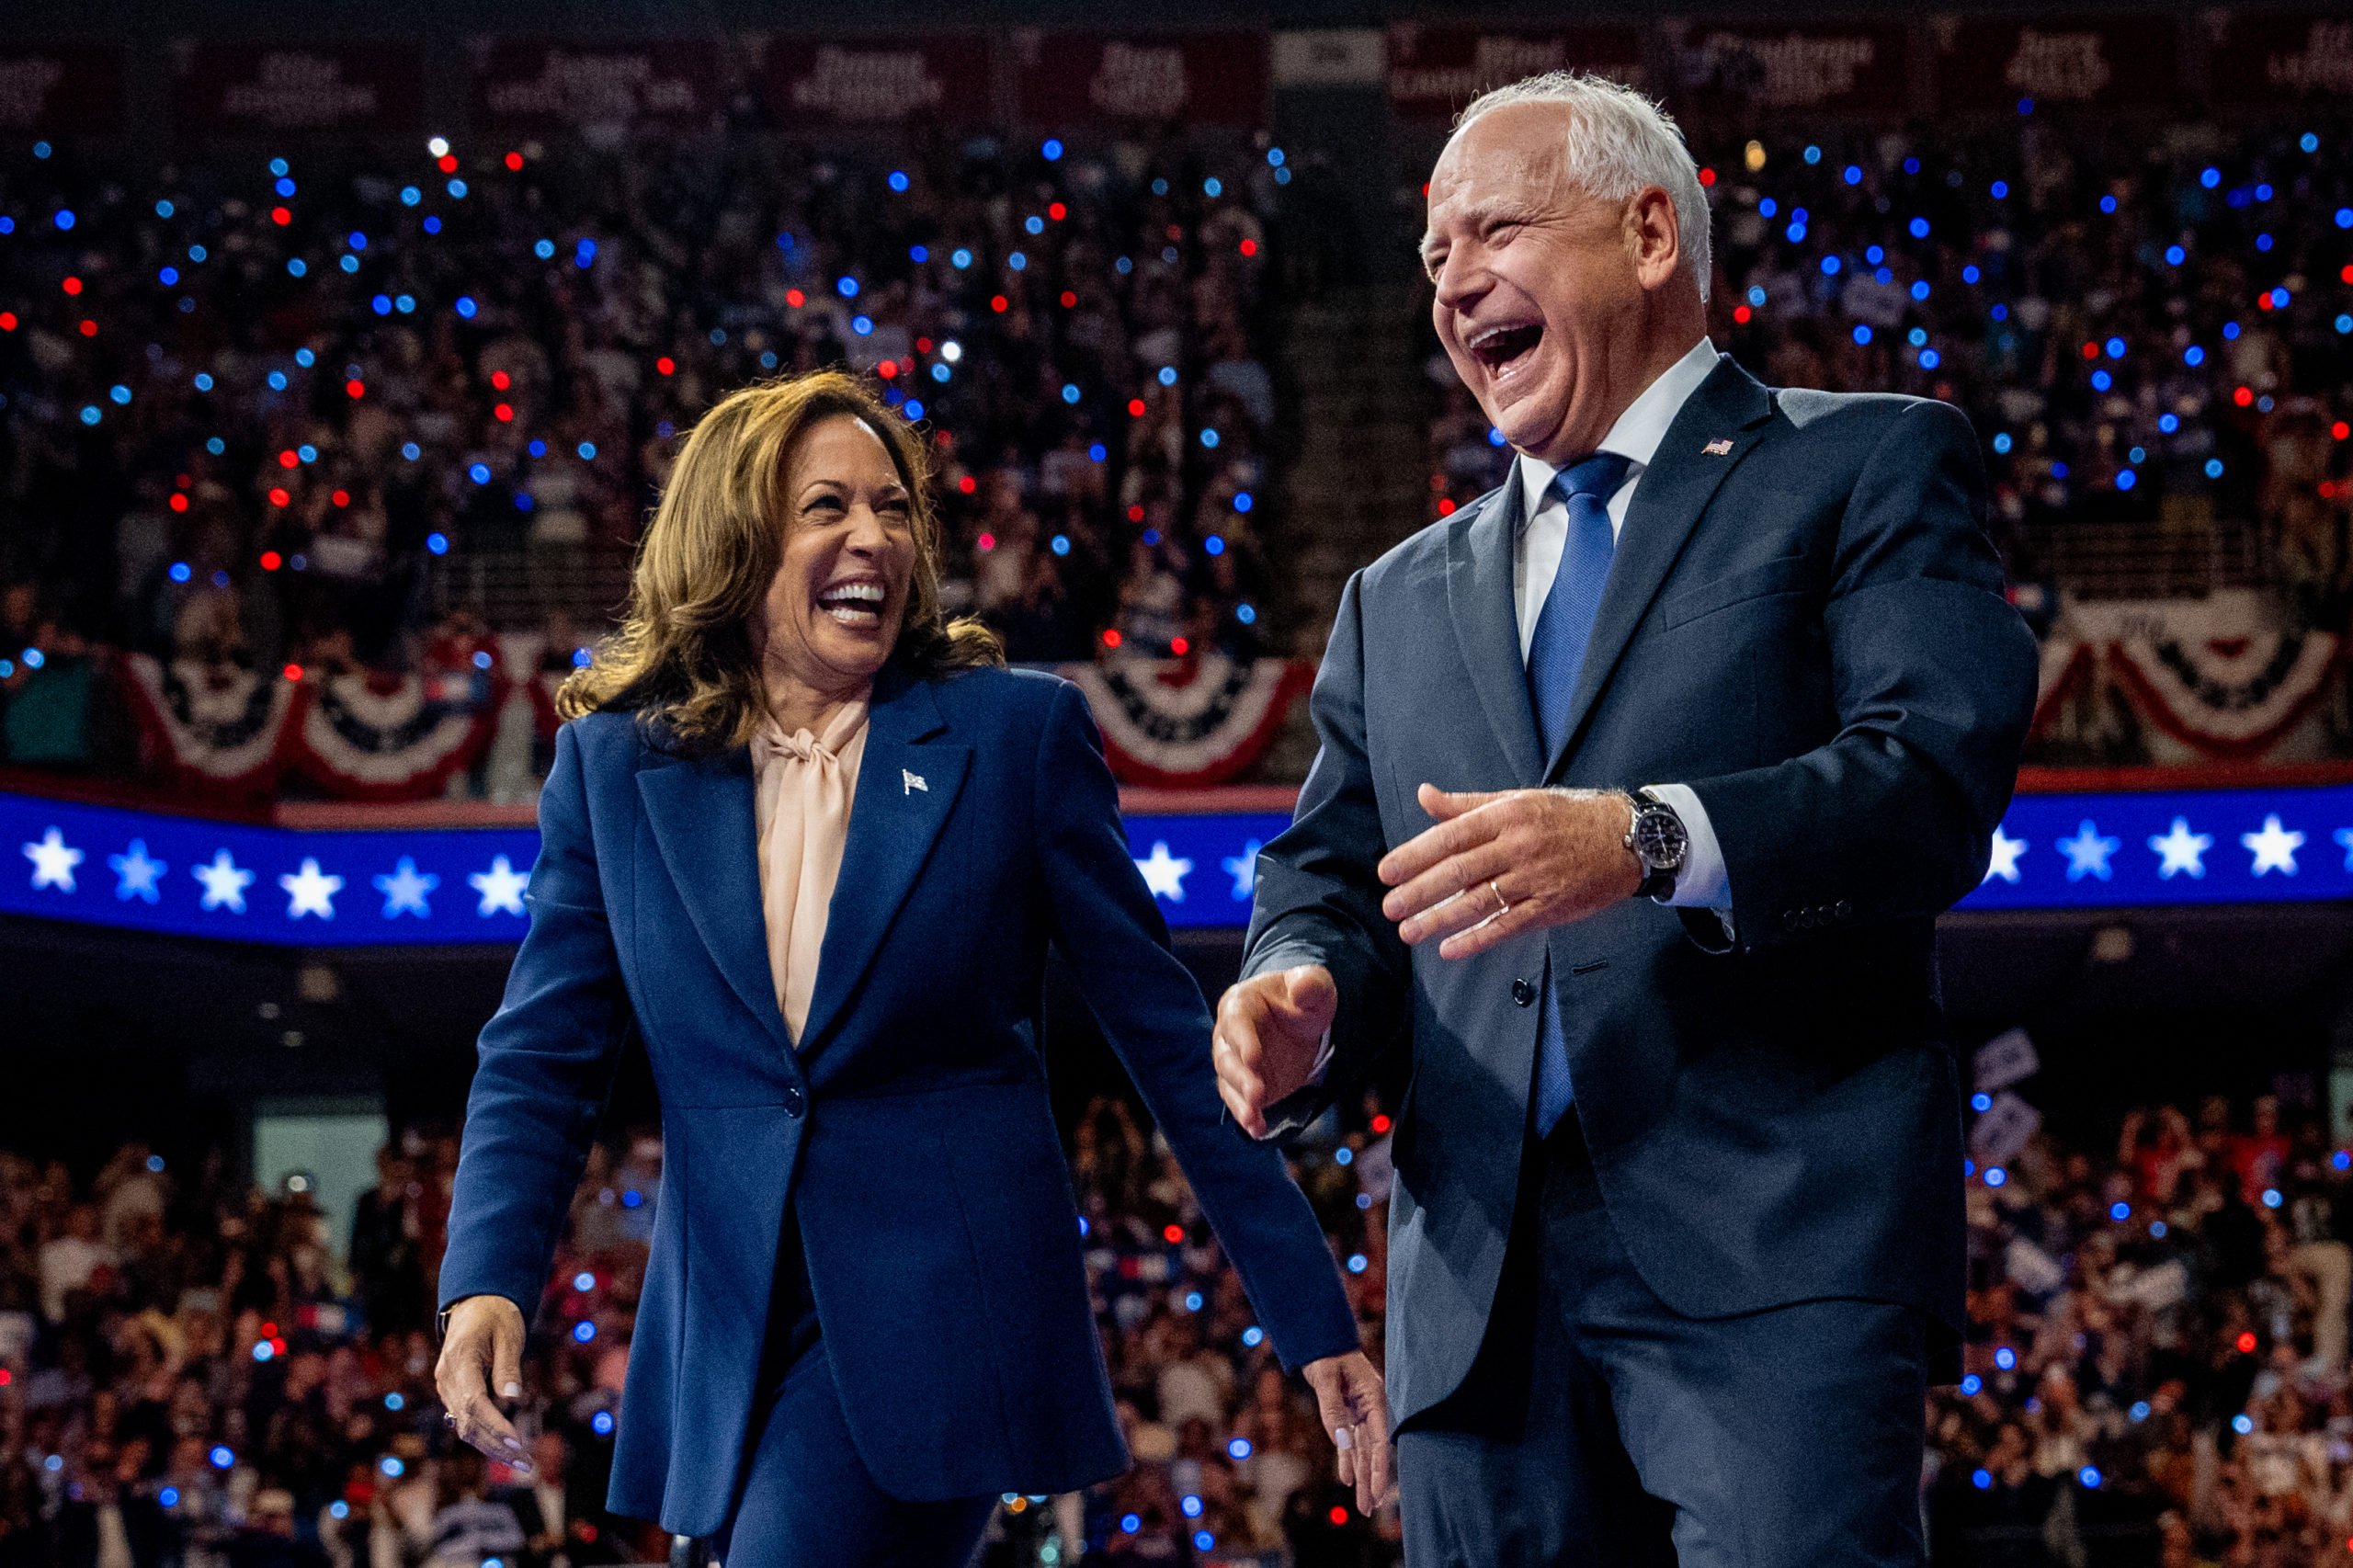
{"points": [[1355, 1406]]}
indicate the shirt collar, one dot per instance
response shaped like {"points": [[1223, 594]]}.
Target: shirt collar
{"points": [[1639, 430]]}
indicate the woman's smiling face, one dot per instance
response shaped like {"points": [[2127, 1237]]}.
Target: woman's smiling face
{"points": [[839, 596]]}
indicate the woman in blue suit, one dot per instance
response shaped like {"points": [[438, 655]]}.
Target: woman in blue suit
{"points": [[809, 841]]}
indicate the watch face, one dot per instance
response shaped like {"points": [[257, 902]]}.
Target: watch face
{"points": [[1660, 840]]}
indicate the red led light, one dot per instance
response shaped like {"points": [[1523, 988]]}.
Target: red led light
{"points": [[1740, 314], [1135, 513], [73, 285], [289, 458], [446, 163], [888, 370], [795, 298], [2340, 429], [277, 496], [2246, 1341], [500, 379], [1058, 211], [515, 161], [665, 365], [271, 560], [504, 412], [1446, 506], [923, 345], [1382, 1124], [178, 502], [6, 1377], [1135, 408], [998, 304], [1111, 638], [986, 542], [89, 329], [1249, 247], [1070, 298], [1340, 1515], [292, 672], [280, 216], [2091, 350], [1179, 646], [1173, 1235], [1707, 176], [341, 497], [2243, 396], [355, 388], [8, 321], [968, 485]]}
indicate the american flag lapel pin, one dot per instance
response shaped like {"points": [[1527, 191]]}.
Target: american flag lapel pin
{"points": [[1719, 448], [911, 782]]}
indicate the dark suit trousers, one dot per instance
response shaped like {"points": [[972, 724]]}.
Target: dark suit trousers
{"points": [[1598, 1427], [806, 1498]]}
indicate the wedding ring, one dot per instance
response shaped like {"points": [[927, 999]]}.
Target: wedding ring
{"points": [[1502, 905]]}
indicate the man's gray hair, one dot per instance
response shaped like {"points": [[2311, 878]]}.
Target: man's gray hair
{"points": [[1617, 142]]}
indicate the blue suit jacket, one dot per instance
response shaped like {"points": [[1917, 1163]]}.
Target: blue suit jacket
{"points": [[1806, 623], [910, 1132]]}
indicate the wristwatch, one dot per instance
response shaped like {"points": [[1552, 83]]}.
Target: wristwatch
{"points": [[1658, 843]]}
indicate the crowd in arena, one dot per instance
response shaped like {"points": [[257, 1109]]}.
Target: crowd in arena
{"points": [[319, 412], [195, 1372], [2149, 323]]}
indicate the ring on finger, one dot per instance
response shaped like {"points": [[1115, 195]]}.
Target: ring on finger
{"points": [[1502, 905]]}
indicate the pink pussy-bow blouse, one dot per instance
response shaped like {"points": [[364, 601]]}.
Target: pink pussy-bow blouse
{"points": [[802, 785]]}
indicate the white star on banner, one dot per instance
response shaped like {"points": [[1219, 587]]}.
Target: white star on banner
{"points": [[501, 888], [224, 881], [1163, 873], [2005, 853], [310, 892], [136, 872], [1243, 869], [2343, 835], [404, 890], [2274, 847], [2087, 853], [2181, 851], [53, 861]]}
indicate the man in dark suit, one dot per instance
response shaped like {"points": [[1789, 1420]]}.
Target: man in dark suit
{"points": [[1642, 781]]}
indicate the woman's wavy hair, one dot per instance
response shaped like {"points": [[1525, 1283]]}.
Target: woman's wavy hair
{"points": [[685, 659]]}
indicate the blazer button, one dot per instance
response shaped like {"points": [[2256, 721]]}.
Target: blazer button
{"points": [[1790, 919], [1523, 992], [1843, 909], [793, 1102]]}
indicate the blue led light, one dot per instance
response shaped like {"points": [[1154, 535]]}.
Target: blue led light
{"points": [[2089, 1476], [1813, 154], [1033, 224], [1130, 1523], [1981, 1101], [846, 287], [1919, 228], [2005, 1359], [1982, 1479], [2108, 204], [861, 325], [2169, 423], [1995, 1176], [601, 1424], [1069, 391], [466, 307], [1052, 150], [1357, 1263], [1930, 358], [584, 1330], [436, 543], [1756, 298], [918, 254], [479, 472], [2241, 1424], [896, 180], [1970, 1384], [411, 452], [1241, 501], [1017, 261], [2101, 380], [960, 258], [2175, 255], [1059, 544], [222, 1457], [2126, 479], [64, 218], [1862, 331], [2213, 468], [90, 414], [2193, 356], [1168, 375], [1830, 267]]}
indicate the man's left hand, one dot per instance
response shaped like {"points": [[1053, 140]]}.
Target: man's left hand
{"points": [[1507, 861]]}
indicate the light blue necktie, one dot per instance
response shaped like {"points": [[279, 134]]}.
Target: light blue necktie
{"points": [[1555, 657]]}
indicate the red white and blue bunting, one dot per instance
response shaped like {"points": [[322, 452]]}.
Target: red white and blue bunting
{"points": [[215, 728], [368, 737], [2221, 678], [1187, 724]]}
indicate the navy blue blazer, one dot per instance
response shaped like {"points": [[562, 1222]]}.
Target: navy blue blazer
{"points": [[1806, 622], [911, 1131]]}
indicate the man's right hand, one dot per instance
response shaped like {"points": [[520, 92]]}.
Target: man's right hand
{"points": [[483, 1350], [1270, 1031]]}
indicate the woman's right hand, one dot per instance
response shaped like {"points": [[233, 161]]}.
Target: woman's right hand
{"points": [[483, 1350]]}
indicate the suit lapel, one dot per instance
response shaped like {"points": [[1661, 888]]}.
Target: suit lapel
{"points": [[1714, 429], [1487, 622], [907, 784], [703, 818]]}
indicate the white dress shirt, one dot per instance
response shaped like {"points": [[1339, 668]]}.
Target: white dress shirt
{"points": [[1703, 882]]}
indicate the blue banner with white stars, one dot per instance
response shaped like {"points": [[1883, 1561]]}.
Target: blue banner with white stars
{"points": [[186, 876], [2263, 846]]}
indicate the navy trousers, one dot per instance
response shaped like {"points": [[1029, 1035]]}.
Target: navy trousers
{"points": [[806, 1499], [1598, 1427]]}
